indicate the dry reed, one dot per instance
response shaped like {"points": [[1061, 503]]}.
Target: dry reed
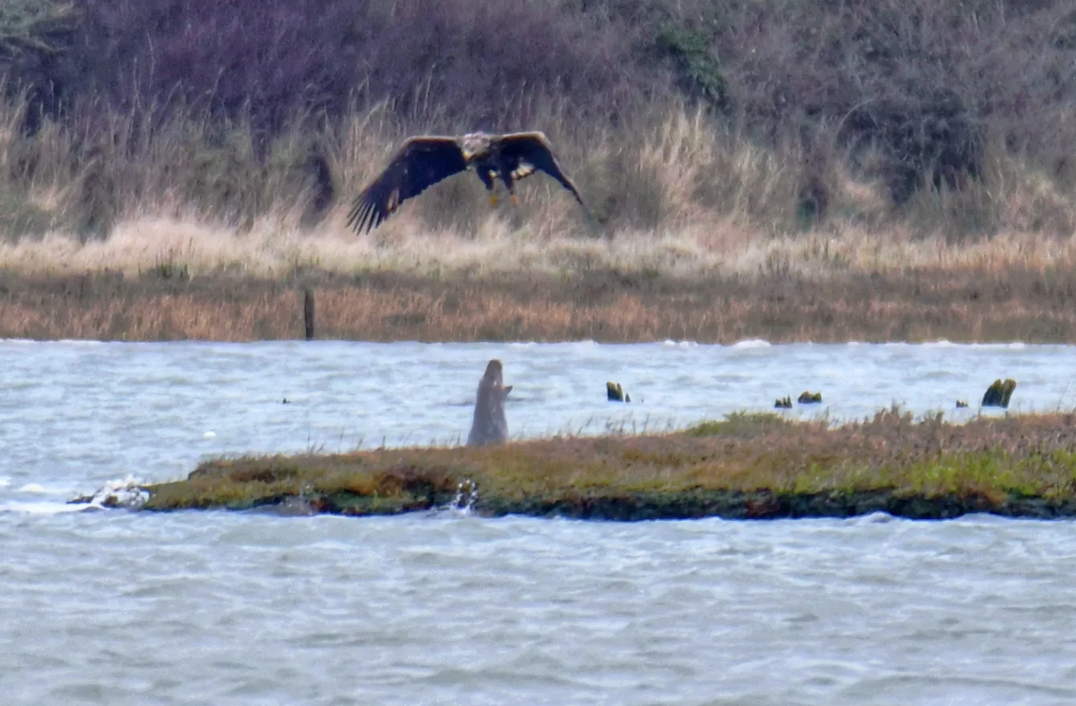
{"points": [[190, 218], [676, 193]]}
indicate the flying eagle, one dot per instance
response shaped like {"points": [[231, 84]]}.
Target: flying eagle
{"points": [[423, 161]]}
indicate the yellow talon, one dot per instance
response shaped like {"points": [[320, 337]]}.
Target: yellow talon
{"points": [[493, 200], [515, 200]]}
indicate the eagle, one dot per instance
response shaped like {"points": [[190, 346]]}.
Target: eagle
{"points": [[425, 160]]}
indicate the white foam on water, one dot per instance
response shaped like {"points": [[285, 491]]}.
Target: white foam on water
{"points": [[125, 493], [44, 508], [4, 482], [752, 343], [117, 493], [466, 494], [38, 489], [874, 518], [1011, 346]]}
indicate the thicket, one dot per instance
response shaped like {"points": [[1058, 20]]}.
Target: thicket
{"points": [[238, 107]]}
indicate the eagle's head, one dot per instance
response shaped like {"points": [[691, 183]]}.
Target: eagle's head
{"points": [[475, 145]]}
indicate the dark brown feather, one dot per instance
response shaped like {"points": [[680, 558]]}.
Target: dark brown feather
{"points": [[532, 149], [419, 164]]}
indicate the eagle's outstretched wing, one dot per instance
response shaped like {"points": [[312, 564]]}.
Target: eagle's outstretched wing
{"points": [[531, 151], [419, 164]]}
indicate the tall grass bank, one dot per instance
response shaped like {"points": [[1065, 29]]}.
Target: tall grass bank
{"points": [[710, 138]]}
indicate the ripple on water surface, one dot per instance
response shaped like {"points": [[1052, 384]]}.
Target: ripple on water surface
{"points": [[443, 608], [88, 412], [240, 608]]}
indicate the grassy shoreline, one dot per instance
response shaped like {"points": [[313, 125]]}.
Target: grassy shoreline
{"points": [[749, 466], [962, 305]]}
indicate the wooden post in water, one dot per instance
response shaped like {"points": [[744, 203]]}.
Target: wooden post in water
{"points": [[308, 312]]}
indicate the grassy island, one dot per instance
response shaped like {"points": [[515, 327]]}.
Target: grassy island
{"points": [[748, 466]]}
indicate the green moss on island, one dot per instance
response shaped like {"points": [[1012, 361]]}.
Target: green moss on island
{"points": [[749, 466]]}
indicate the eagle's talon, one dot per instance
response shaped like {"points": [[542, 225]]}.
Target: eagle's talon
{"points": [[493, 200], [515, 200]]}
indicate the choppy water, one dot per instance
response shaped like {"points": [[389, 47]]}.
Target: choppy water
{"points": [[248, 608]]}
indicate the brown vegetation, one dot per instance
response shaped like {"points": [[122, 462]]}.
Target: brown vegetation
{"points": [[738, 153], [780, 113], [600, 305], [748, 466]]}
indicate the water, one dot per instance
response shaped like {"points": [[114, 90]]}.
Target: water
{"points": [[446, 608]]}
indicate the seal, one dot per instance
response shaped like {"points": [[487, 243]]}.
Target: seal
{"points": [[490, 426]]}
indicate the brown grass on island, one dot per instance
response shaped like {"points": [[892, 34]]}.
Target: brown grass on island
{"points": [[747, 466], [906, 166]]}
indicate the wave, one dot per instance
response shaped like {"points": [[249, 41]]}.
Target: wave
{"points": [[42, 507], [61, 341], [38, 489], [752, 343]]}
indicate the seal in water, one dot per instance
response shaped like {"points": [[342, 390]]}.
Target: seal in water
{"points": [[490, 426]]}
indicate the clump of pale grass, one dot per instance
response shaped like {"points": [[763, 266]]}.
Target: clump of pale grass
{"points": [[1012, 195], [674, 193], [272, 248]]}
